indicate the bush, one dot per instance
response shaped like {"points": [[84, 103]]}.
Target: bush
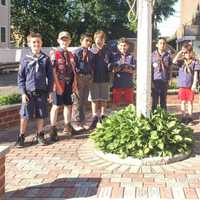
{"points": [[173, 84], [125, 134], [10, 99]]}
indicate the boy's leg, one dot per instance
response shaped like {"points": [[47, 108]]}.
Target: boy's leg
{"points": [[23, 126], [104, 96], [40, 125], [163, 95], [54, 115], [40, 132], [67, 112], [53, 121], [21, 135], [26, 112], [95, 117], [128, 95], [41, 112], [117, 96], [78, 104], [94, 105], [183, 111], [155, 94], [103, 107], [190, 108]]}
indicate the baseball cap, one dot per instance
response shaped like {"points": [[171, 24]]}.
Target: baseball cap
{"points": [[64, 34]]}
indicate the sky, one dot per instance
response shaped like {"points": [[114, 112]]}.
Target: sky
{"points": [[169, 26]]}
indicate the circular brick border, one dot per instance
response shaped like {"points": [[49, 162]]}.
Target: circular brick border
{"points": [[145, 161]]}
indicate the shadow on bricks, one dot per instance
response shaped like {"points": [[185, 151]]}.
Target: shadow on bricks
{"points": [[60, 188]]}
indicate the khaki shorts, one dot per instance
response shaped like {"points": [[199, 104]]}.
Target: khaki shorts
{"points": [[99, 92]]}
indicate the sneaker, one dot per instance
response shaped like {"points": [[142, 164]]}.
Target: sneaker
{"points": [[20, 141], [183, 119], [40, 139], [78, 127], [53, 134], [69, 130], [189, 121], [94, 122]]}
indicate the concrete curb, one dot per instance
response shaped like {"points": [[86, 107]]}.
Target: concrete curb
{"points": [[139, 162]]}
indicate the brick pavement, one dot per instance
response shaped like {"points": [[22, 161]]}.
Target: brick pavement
{"points": [[70, 169]]}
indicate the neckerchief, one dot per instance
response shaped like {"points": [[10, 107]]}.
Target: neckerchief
{"points": [[162, 65], [85, 55], [35, 60], [186, 66]]}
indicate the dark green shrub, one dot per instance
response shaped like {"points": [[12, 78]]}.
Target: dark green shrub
{"points": [[10, 99], [125, 134]]}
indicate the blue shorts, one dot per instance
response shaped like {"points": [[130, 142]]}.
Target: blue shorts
{"points": [[65, 98], [35, 108]]}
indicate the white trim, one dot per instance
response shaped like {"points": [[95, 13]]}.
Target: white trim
{"points": [[5, 35]]}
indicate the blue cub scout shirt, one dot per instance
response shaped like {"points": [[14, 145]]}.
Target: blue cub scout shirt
{"points": [[101, 61], [122, 79], [185, 76], [161, 66], [82, 66], [35, 73]]}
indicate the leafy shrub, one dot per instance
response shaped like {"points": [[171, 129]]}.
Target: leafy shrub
{"points": [[125, 134], [10, 99], [173, 84]]}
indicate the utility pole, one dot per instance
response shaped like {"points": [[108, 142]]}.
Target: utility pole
{"points": [[144, 48]]}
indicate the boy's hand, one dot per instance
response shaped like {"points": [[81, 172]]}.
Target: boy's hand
{"points": [[25, 98], [193, 87], [50, 98]]}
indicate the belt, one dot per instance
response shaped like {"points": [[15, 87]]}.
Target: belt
{"points": [[84, 75], [36, 93]]}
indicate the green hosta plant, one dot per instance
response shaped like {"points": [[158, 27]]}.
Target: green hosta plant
{"points": [[125, 134]]}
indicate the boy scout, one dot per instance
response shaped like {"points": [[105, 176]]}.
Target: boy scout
{"points": [[64, 84], [84, 60], [35, 82]]}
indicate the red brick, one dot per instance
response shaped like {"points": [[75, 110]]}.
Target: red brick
{"points": [[190, 193], [165, 193], [2, 160], [134, 176], [117, 192], [3, 114]]}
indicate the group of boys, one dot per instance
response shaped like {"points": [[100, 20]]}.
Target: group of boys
{"points": [[70, 79]]}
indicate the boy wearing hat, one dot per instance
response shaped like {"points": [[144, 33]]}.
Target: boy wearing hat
{"points": [[64, 84]]}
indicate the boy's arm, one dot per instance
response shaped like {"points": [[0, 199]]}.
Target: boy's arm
{"points": [[170, 69], [178, 57], [21, 78], [49, 73], [195, 78]]}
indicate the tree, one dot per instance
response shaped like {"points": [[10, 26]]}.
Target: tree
{"points": [[49, 17], [162, 10], [44, 16]]}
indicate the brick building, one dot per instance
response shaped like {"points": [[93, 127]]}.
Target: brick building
{"points": [[190, 24]]}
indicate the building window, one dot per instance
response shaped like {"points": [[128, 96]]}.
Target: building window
{"points": [[3, 34], [3, 2]]}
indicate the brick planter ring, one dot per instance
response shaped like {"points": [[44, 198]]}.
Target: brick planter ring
{"points": [[3, 151], [145, 161]]}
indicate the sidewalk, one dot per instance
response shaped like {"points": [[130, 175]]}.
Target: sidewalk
{"points": [[70, 169]]}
